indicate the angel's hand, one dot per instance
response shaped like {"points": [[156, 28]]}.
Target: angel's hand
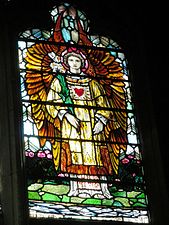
{"points": [[73, 120], [98, 127]]}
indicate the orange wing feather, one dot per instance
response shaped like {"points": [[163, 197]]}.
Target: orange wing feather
{"points": [[109, 73], [38, 80]]}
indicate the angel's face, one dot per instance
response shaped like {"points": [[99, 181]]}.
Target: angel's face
{"points": [[74, 63]]}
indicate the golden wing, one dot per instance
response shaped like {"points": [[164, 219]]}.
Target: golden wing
{"points": [[109, 73], [38, 80]]}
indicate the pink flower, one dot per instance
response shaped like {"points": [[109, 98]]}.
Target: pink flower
{"points": [[41, 154], [31, 154], [49, 156], [61, 175], [138, 161], [130, 156], [117, 180], [125, 161], [47, 152]]}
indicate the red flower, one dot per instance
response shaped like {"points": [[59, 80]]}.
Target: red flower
{"points": [[125, 161]]}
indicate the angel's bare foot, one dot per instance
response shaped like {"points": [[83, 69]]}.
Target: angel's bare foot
{"points": [[84, 195], [100, 196], [108, 195], [73, 193]]}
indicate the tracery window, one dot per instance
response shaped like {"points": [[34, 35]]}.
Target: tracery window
{"points": [[82, 147]]}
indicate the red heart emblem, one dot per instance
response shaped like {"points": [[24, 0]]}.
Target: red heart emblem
{"points": [[79, 91]]}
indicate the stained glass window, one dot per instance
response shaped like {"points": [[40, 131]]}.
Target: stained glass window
{"points": [[82, 146]]}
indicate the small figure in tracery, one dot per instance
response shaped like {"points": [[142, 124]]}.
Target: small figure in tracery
{"points": [[84, 114]]}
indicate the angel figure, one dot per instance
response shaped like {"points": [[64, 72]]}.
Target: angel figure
{"points": [[82, 128], [78, 104]]}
